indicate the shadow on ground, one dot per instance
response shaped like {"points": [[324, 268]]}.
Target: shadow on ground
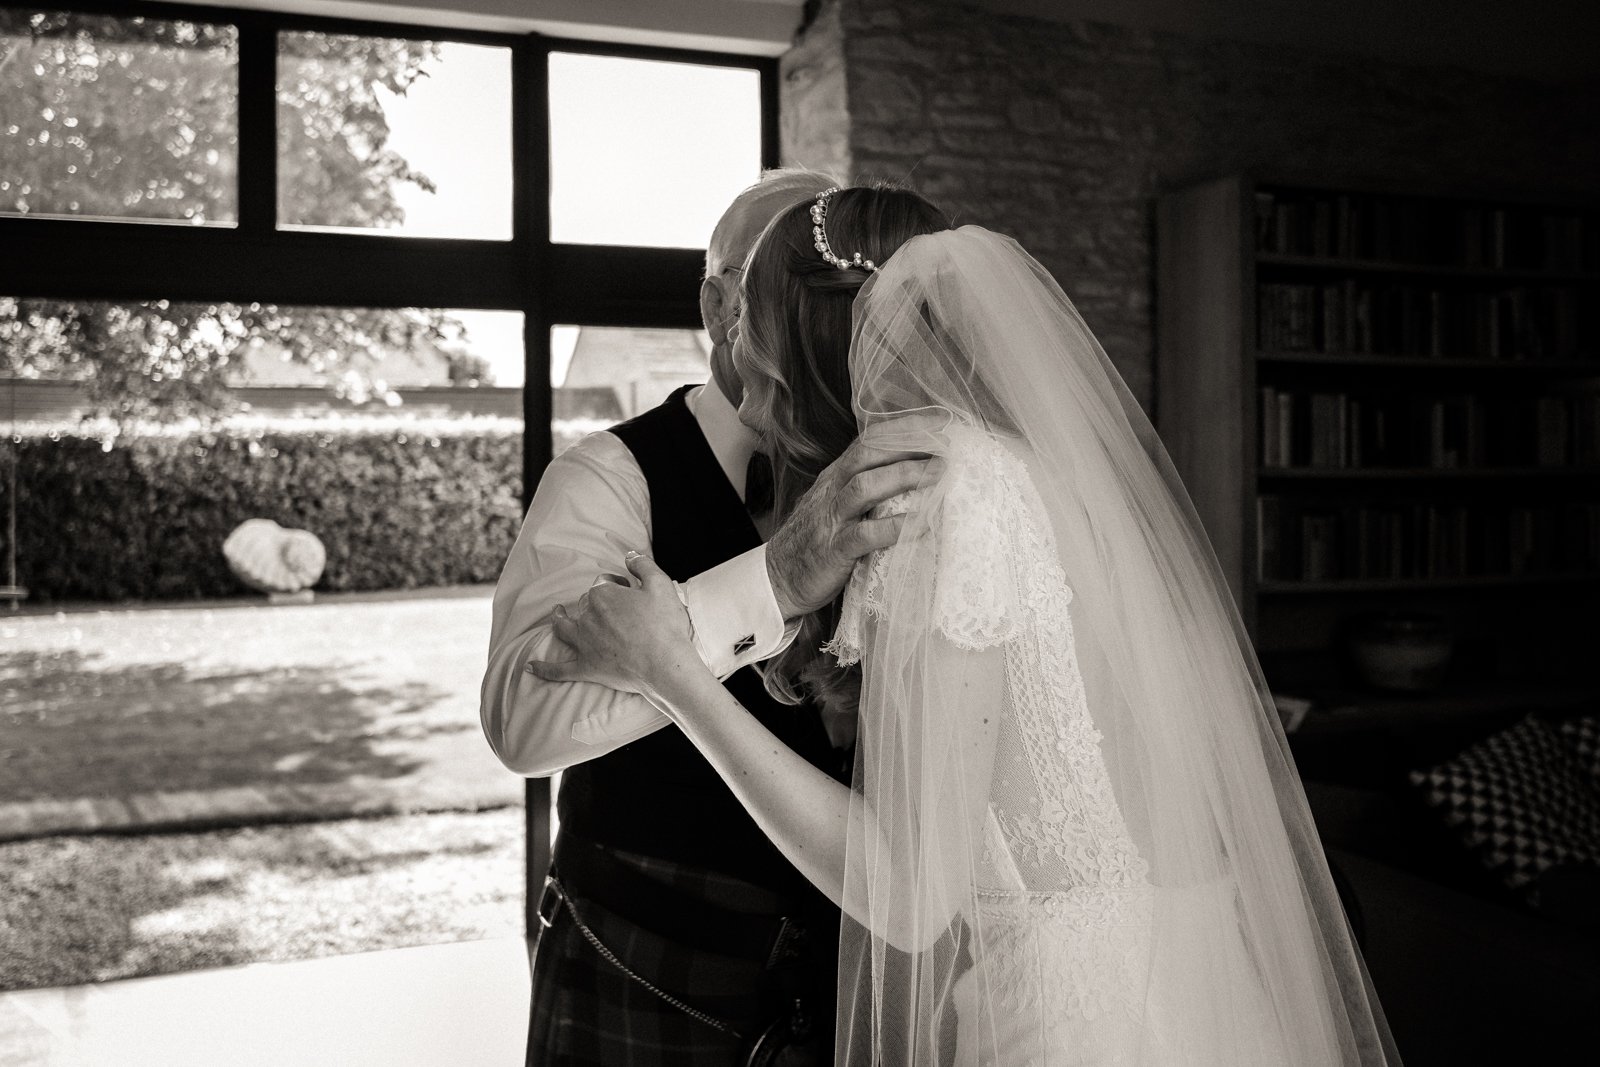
{"points": [[83, 728]]}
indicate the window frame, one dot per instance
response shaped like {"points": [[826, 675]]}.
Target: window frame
{"points": [[253, 261]]}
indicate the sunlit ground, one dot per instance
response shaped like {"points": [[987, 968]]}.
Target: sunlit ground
{"points": [[121, 703], [86, 909]]}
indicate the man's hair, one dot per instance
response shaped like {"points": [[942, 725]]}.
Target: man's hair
{"points": [[775, 191]]}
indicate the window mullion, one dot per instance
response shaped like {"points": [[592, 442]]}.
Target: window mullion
{"points": [[530, 229], [530, 141], [258, 118], [771, 140]]}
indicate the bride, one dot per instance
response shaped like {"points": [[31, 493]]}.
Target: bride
{"points": [[1074, 834]]}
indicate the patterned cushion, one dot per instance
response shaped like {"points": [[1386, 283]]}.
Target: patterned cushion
{"points": [[1519, 800], [1582, 735]]}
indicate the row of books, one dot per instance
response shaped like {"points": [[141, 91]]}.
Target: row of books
{"points": [[1431, 232], [1297, 541], [1359, 316], [1303, 428]]}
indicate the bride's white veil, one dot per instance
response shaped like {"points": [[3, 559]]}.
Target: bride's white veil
{"points": [[1246, 956]]}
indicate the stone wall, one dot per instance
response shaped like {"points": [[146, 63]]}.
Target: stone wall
{"points": [[1062, 134]]}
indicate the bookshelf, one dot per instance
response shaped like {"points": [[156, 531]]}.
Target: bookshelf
{"points": [[1386, 400]]}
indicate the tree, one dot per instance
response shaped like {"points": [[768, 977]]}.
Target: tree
{"points": [[134, 117]]}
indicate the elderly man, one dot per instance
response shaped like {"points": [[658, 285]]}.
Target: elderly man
{"points": [[674, 931]]}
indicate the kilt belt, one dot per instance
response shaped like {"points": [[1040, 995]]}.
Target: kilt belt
{"points": [[753, 927]]}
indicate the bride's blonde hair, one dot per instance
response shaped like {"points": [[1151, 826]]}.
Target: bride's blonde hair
{"points": [[796, 321]]}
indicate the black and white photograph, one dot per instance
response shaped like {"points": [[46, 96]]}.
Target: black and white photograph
{"points": [[777, 533]]}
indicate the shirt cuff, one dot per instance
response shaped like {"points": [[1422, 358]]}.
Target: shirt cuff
{"points": [[734, 614]]}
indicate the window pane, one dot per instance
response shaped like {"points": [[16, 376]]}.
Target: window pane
{"points": [[648, 153], [362, 699], [409, 137], [604, 374], [127, 118]]}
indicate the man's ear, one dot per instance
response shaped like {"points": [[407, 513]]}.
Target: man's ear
{"points": [[714, 311]]}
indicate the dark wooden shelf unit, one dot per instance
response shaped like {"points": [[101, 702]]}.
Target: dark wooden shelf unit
{"points": [[1450, 388]]}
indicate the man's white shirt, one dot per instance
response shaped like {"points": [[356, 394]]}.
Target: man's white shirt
{"points": [[591, 508]]}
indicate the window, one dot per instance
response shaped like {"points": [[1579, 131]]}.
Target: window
{"points": [[435, 117], [313, 166], [127, 118], [648, 153]]}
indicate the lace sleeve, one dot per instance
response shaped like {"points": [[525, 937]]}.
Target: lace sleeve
{"points": [[970, 542]]}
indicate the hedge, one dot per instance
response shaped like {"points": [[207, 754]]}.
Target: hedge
{"points": [[399, 505]]}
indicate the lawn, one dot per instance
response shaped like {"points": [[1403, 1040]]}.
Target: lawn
{"points": [[87, 909], [119, 702]]}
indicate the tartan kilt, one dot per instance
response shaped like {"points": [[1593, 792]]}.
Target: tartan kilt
{"points": [[587, 1013]]}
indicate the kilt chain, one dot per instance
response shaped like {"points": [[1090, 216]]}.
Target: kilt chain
{"points": [[611, 958]]}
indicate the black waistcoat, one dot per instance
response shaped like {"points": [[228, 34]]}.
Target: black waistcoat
{"points": [[658, 796]]}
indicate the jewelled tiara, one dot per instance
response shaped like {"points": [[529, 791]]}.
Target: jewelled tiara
{"points": [[819, 234]]}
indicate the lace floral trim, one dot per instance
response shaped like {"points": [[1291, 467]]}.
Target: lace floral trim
{"points": [[975, 587]]}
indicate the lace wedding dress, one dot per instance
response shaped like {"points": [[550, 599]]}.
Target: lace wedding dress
{"points": [[1060, 888], [1087, 845]]}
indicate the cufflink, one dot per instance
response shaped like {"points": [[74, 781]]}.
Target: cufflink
{"points": [[744, 644]]}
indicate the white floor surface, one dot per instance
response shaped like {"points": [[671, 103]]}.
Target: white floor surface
{"points": [[460, 1005]]}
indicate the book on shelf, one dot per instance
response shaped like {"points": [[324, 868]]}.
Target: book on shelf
{"points": [[1309, 541], [1358, 316], [1350, 430], [1424, 231]]}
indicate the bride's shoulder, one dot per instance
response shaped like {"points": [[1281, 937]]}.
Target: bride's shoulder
{"points": [[988, 469], [985, 478], [973, 542], [981, 563]]}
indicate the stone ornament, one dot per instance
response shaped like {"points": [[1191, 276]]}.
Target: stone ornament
{"points": [[271, 559]]}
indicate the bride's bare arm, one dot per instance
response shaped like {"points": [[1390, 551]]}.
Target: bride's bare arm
{"points": [[802, 810], [811, 817]]}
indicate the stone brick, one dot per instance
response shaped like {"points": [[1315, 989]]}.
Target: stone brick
{"points": [[964, 141], [956, 100], [1034, 114], [885, 96], [892, 140], [967, 120], [883, 50]]}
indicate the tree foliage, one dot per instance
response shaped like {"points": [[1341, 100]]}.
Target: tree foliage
{"points": [[138, 118], [335, 166]]}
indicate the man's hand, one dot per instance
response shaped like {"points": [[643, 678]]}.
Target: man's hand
{"points": [[809, 557]]}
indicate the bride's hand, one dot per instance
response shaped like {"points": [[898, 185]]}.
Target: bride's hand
{"points": [[633, 639]]}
